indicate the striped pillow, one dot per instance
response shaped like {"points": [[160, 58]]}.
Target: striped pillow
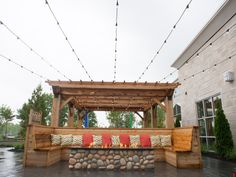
{"points": [[77, 140], [115, 140], [66, 140]]}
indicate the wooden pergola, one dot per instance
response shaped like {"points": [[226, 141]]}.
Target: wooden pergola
{"points": [[112, 96]]}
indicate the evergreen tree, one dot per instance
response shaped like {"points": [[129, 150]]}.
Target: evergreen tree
{"points": [[119, 119], [224, 141], [92, 119], [177, 121], [6, 115]]}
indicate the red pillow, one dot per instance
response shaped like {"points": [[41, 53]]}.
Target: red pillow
{"points": [[87, 139], [145, 140], [124, 139], [106, 139]]}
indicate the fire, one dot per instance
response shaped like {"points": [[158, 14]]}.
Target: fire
{"points": [[90, 145], [123, 145]]}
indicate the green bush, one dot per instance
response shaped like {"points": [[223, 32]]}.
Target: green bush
{"points": [[177, 121], [230, 155], [224, 140], [19, 146]]}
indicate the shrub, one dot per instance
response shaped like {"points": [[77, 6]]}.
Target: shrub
{"points": [[177, 121], [19, 146], [224, 141]]}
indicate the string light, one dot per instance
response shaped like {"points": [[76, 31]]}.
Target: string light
{"points": [[34, 51], [165, 41], [116, 38], [23, 67], [199, 52], [67, 40], [206, 69]]}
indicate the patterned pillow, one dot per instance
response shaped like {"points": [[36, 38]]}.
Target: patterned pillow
{"points": [[134, 140], [165, 140], [155, 141], [56, 139], [77, 140], [97, 140], [66, 140], [115, 140]]}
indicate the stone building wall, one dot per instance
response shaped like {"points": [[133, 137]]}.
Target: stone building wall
{"points": [[210, 82]]}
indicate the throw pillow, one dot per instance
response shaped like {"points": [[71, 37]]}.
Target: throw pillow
{"points": [[145, 140], [97, 140], [155, 140], [66, 140], [165, 140], [106, 139], [134, 141], [115, 141], [124, 140], [87, 139], [56, 139], [77, 140]]}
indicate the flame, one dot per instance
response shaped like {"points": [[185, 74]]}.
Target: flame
{"points": [[90, 145]]}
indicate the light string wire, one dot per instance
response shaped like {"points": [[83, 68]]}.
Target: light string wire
{"points": [[199, 51], [116, 39], [208, 68], [23, 67], [164, 42], [66, 38], [34, 51]]}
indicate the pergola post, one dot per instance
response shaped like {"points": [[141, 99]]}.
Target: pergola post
{"points": [[71, 115], [169, 112], [55, 110]]}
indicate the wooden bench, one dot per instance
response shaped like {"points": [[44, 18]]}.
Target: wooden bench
{"points": [[43, 143], [184, 152]]}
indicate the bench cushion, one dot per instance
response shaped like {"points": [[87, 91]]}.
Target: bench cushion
{"points": [[145, 140]]}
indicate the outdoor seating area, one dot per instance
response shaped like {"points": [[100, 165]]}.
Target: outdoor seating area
{"points": [[183, 150]]}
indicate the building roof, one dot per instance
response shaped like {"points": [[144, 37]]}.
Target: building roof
{"points": [[221, 17]]}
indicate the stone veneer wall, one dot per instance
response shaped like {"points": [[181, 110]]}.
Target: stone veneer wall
{"points": [[111, 159]]}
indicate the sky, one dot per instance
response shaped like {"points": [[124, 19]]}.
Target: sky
{"points": [[90, 27]]}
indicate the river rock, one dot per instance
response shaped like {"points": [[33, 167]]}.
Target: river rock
{"points": [[84, 165], [129, 165], [100, 163], [97, 156], [136, 167], [135, 158], [145, 162], [71, 166], [78, 166], [123, 167], [103, 157], [122, 161], [110, 157], [101, 152], [149, 157], [117, 157], [90, 156], [77, 156], [72, 161], [93, 165], [89, 166], [110, 167]]}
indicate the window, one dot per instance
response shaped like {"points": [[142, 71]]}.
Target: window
{"points": [[206, 118], [177, 113]]}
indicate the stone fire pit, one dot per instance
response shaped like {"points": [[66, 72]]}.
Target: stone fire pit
{"points": [[109, 159]]}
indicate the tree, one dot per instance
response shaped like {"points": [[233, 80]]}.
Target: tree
{"points": [[177, 121], [92, 119], [224, 141], [39, 101], [119, 119], [160, 117], [6, 115]]}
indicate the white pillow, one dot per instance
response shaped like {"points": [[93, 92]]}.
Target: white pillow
{"points": [[115, 140], [66, 140], [134, 140], [155, 140], [77, 140], [165, 140], [56, 139]]}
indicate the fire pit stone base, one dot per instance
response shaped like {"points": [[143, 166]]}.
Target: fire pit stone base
{"points": [[109, 159]]}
